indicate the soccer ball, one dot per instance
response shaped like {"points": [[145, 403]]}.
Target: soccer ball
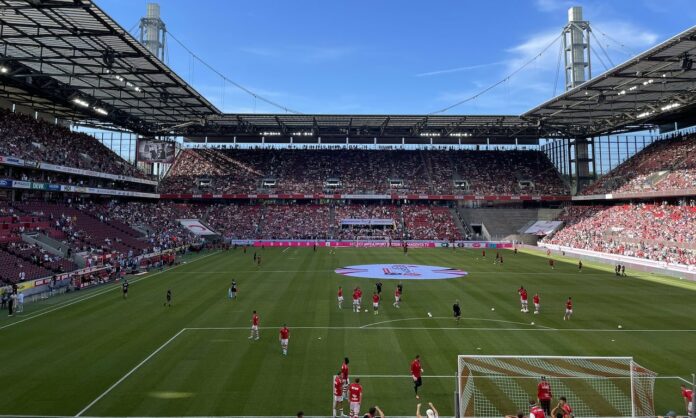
{"points": [[430, 315], [620, 327], [532, 323], [365, 310], [492, 309]]}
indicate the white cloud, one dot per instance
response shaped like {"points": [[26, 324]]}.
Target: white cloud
{"points": [[458, 69], [553, 5], [535, 84]]}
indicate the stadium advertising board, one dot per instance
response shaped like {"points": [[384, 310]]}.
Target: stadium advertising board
{"points": [[196, 227], [376, 222], [72, 170], [373, 244], [543, 227], [243, 196], [156, 151], [18, 184]]}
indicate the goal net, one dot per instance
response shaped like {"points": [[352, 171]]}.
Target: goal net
{"points": [[495, 386]]}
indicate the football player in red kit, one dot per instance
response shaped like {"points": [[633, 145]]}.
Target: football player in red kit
{"points": [[569, 309], [254, 326], [284, 337], [355, 397], [417, 374]]}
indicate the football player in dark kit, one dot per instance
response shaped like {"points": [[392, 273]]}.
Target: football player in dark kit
{"points": [[457, 311], [124, 287]]}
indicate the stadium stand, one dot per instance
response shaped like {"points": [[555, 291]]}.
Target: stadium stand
{"points": [[668, 164], [656, 232], [363, 171], [35, 140]]}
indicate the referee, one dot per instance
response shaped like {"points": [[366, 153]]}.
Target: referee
{"points": [[457, 311]]}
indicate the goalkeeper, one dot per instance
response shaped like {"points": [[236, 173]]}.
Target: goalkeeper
{"points": [[544, 395]]}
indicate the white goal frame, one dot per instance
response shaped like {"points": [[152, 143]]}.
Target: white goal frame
{"points": [[601, 373]]}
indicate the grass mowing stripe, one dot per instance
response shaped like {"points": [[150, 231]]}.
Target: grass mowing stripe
{"points": [[133, 370], [87, 297], [226, 375]]}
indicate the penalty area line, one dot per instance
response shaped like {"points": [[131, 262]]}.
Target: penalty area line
{"points": [[450, 318]]}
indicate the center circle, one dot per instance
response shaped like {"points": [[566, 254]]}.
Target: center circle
{"points": [[401, 272]]}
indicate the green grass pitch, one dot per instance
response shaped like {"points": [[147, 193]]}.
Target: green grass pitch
{"points": [[94, 354]]}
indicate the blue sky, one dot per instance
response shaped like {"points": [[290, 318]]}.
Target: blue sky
{"points": [[390, 56]]}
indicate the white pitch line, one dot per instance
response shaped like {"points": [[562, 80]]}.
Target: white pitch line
{"points": [[133, 370], [447, 317], [360, 328], [93, 295]]}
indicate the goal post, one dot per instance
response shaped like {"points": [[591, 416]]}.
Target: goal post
{"points": [[495, 386]]}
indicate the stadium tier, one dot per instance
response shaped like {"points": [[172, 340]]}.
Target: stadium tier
{"points": [[664, 233], [665, 165], [358, 171], [27, 138]]}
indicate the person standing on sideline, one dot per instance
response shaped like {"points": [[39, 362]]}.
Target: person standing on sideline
{"points": [[10, 304], [429, 413], [544, 395], [20, 302], [254, 326], [417, 374]]}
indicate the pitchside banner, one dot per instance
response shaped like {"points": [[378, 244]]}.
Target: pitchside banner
{"points": [[374, 244], [156, 151]]}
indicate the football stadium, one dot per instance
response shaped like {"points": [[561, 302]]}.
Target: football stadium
{"points": [[181, 238]]}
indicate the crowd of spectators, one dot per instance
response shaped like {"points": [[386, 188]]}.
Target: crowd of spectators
{"points": [[430, 223], [126, 230], [362, 171], [665, 233], [367, 212], [665, 165], [25, 137]]}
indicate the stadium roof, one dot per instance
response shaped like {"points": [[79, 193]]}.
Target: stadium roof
{"points": [[652, 88], [69, 58], [436, 129]]}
